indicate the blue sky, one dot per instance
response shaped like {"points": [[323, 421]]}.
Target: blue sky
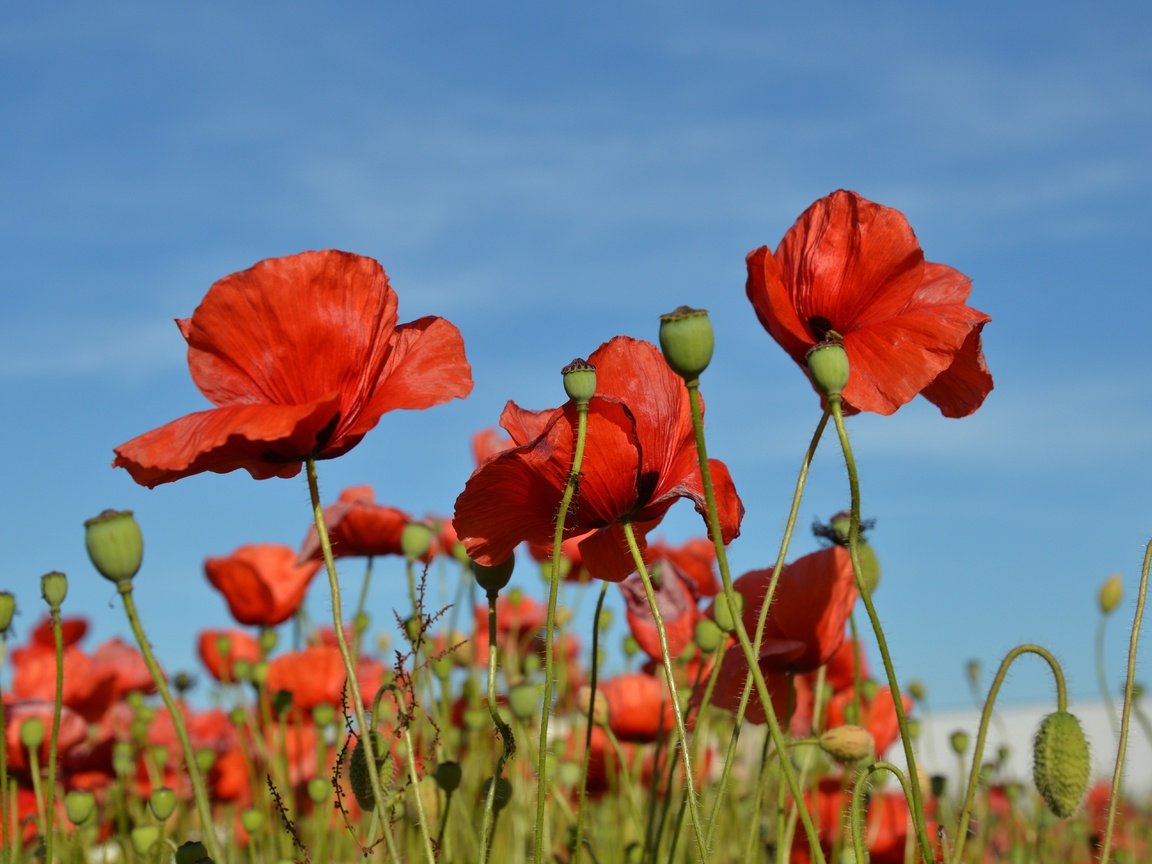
{"points": [[547, 176]]}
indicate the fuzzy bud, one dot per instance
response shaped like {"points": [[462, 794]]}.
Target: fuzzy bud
{"points": [[7, 611], [79, 805], [115, 545], [358, 776], [1111, 593], [687, 340], [579, 381], [848, 744], [828, 367], [1060, 763]]}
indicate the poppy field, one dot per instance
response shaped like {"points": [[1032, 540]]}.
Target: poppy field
{"points": [[748, 717]]}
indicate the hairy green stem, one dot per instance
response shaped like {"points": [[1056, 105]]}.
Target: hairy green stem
{"points": [[594, 666], [1102, 678], [858, 808], [507, 741], [54, 741]]}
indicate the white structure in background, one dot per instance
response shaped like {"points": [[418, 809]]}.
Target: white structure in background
{"points": [[1015, 727]]}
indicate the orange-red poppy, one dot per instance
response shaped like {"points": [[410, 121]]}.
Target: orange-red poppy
{"points": [[640, 457], [301, 356], [676, 602], [220, 649], [853, 270], [358, 527], [639, 707], [264, 584], [314, 676]]}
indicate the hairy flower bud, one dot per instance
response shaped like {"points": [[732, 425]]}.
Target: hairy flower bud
{"points": [[848, 744], [1060, 763], [1111, 593], [687, 340], [359, 777], [115, 544], [415, 540]]}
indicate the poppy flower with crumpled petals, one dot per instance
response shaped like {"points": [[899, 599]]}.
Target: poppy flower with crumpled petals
{"points": [[358, 527], [640, 457], [854, 268], [676, 602], [301, 356], [264, 584]]}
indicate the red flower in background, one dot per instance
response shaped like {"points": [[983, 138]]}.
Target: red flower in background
{"points": [[220, 649], [696, 559], [852, 267], [358, 527], [640, 457], [676, 600], [314, 676], [264, 584], [301, 356], [639, 707], [877, 715], [72, 630]]}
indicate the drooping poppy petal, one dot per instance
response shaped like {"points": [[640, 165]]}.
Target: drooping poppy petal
{"points": [[676, 603], [301, 356], [264, 584], [357, 527], [852, 269], [639, 707]]}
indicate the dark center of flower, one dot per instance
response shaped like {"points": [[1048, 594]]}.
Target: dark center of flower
{"points": [[820, 327]]}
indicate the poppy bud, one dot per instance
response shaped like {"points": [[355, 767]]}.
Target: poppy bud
{"points": [[359, 778], [144, 838], [32, 732], [323, 714], [724, 614], [319, 790], [917, 690], [162, 802], [252, 820], [708, 635], [493, 578], [448, 776], [192, 852], [1111, 593], [415, 540], [7, 610], [524, 700], [959, 740], [579, 381], [115, 544], [848, 744], [79, 805], [828, 367], [1060, 763], [502, 795], [687, 340], [54, 588]]}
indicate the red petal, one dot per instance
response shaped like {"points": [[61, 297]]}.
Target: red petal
{"points": [[266, 440], [962, 387]]}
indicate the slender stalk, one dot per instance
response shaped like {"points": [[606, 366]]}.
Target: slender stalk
{"points": [[986, 719], [342, 643], [857, 808], [5, 847], [681, 732], [361, 610], [508, 742], [199, 792], [577, 843], [1126, 711], [834, 402], [54, 741], [1102, 678], [550, 626], [751, 654]]}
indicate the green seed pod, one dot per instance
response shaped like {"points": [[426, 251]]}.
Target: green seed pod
{"points": [[848, 744], [493, 579], [959, 741], [1111, 593], [79, 805], [252, 820], [32, 732], [358, 776], [828, 367], [631, 646], [162, 802], [687, 340], [54, 588], [144, 838], [319, 790], [115, 544], [269, 638], [7, 611], [917, 690], [723, 613], [1060, 763], [503, 793], [448, 776], [524, 700], [579, 381], [415, 540], [192, 852], [708, 635]]}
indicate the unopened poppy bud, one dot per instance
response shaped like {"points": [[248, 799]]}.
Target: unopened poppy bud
{"points": [[358, 776], [32, 732], [579, 381], [917, 690], [502, 795], [162, 802], [319, 790], [192, 852], [205, 758], [115, 544], [252, 820], [848, 744], [1111, 593], [631, 646], [828, 366], [959, 741], [54, 588], [144, 838], [708, 635], [723, 612], [323, 714], [269, 638], [415, 540], [687, 340], [7, 611], [524, 700], [1060, 763], [448, 776], [79, 805], [494, 578]]}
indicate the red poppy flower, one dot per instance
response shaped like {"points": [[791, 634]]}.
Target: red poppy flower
{"points": [[220, 649], [264, 584], [877, 715], [72, 630], [854, 268], [639, 707], [301, 356], [676, 602], [696, 559], [358, 527], [126, 665], [88, 689], [640, 457], [72, 731], [313, 676]]}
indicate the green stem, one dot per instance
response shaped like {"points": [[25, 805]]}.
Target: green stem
{"points": [[550, 626], [857, 809], [577, 843], [1126, 711], [985, 720], [54, 742], [342, 643], [508, 742], [199, 792], [1102, 678], [681, 732], [751, 654], [918, 819], [5, 847], [361, 610]]}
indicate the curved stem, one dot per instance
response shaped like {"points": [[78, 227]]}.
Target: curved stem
{"points": [[342, 643], [508, 742], [577, 843], [199, 792], [751, 653], [985, 720], [856, 808], [834, 403], [1126, 712], [669, 674], [550, 626]]}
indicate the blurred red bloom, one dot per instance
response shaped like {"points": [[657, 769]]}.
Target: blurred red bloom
{"points": [[854, 268], [72, 630], [358, 527], [88, 689], [72, 732], [126, 665], [639, 459], [676, 601], [314, 676], [639, 707], [301, 356], [696, 559], [263, 584], [220, 649]]}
